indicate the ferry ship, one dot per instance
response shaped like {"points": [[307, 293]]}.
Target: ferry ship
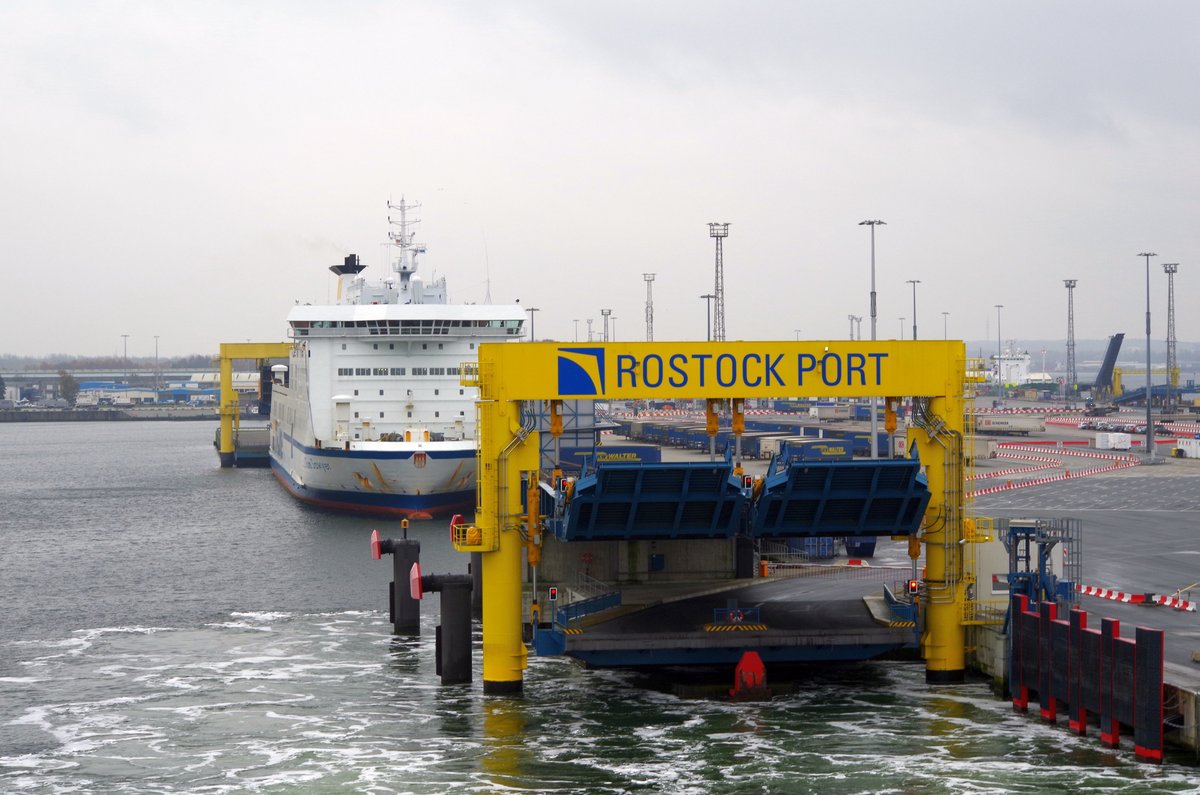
{"points": [[369, 415]]}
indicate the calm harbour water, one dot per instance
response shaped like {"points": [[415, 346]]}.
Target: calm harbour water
{"points": [[169, 626]]}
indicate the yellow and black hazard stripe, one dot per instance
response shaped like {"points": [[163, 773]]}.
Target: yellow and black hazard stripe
{"points": [[735, 627]]}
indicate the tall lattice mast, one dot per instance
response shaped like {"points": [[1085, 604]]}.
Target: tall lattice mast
{"points": [[1072, 375], [1171, 268], [649, 277], [720, 231]]}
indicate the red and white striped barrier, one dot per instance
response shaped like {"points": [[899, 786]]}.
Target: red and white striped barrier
{"points": [[1115, 462], [1004, 473], [1173, 602], [1109, 593], [1176, 603]]}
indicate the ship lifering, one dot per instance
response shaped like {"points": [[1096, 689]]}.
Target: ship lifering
{"points": [[736, 617]]}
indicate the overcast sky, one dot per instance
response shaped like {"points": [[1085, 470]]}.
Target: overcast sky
{"points": [[190, 170]]}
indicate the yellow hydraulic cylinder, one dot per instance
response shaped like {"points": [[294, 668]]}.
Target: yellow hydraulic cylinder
{"points": [[533, 539], [889, 414], [503, 456], [711, 418]]}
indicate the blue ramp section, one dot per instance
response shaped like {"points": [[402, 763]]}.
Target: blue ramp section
{"points": [[648, 501], [842, 498]]}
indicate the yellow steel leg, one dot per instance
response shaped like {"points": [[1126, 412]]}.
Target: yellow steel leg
{"points": [[227, 411], [504, 454], [943, 639]]}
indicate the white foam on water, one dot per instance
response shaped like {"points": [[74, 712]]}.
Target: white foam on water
{"points": [[262, 616], [239, 625]]}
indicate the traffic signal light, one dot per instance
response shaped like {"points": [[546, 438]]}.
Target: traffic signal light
{"points": [[553, 594], [747, 481], [914, 587]]}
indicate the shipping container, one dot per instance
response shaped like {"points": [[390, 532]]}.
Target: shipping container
{"points": [[1113, 441], [980, 448], [1010, 423], [1186, 448], [831, 413]]}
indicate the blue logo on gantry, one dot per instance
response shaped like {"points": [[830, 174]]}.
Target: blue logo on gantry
{"points": [[581, 371]]}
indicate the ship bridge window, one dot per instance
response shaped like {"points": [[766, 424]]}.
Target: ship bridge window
{"points": [[420, 371], [380, 371], [345, 371], [362, 370], [397, 371]]}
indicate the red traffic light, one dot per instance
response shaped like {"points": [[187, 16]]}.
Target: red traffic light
{"points": [[552, 594], [914, 587], [747, 481]]}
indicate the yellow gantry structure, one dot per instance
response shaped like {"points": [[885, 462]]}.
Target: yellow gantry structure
{"points": [[260, 352], [509, 376]]}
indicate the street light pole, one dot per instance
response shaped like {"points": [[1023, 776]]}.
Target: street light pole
{"points": [[902, 328], [999, 351], [797, 334], [1149, 391], [914, 283], [576, 321], [708, 299], [125, 356], [945, 325], [531, 310], [874, 402], [156, 378]]}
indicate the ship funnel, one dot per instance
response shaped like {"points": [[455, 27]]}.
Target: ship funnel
{"points": [[347, 272]]}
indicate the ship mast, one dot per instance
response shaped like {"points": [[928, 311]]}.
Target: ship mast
{"points": [[404, 265]]}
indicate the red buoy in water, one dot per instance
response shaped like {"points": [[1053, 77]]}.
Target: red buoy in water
{"points": [[750, 679]]}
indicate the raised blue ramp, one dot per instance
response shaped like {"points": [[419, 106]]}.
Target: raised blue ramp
{"points": [[842, 498], [649, 501]]}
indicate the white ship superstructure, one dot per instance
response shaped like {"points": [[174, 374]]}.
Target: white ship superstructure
{"points": [[372, 416]]}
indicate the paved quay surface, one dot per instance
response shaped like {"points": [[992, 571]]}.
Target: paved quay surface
{"points": [[1141, 534]]}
